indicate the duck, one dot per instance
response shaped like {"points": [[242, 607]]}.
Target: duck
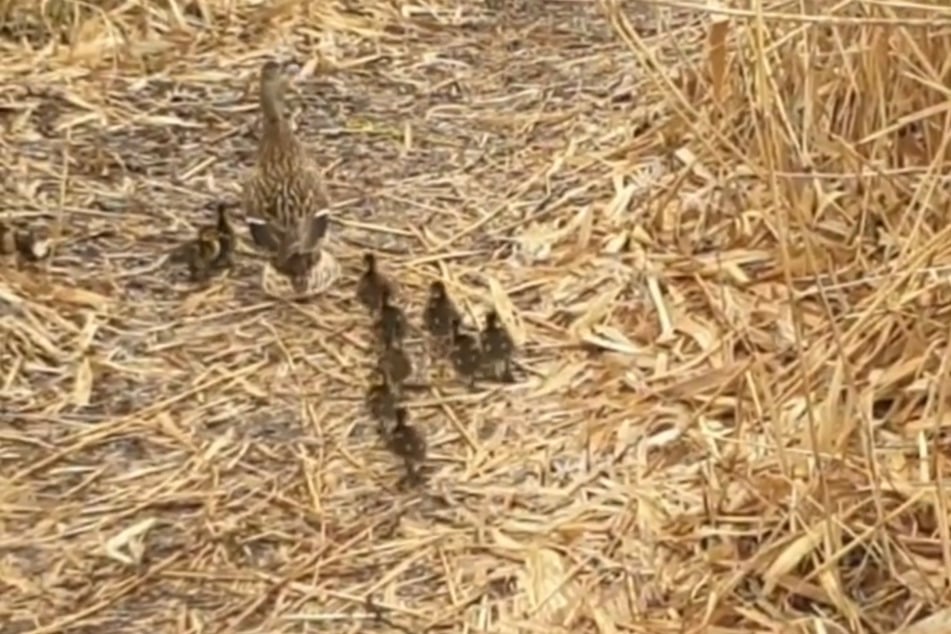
{"points": [[286, 203]]}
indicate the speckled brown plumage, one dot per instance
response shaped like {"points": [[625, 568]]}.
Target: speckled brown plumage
{"points": [[437, 318], [391, 326], [439, 311], [464, 353], [226, 236], [22, 244], [396, 365], [382, 402], [285, 201], [293, 273], [497, 348], [202, 254], [212, 249], [408, 443], [371, 285]]}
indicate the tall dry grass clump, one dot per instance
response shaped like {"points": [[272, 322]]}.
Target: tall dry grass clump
{"points": [[820, 140]]}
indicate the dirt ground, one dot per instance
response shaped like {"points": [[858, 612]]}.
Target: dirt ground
{"points": [[182, 457]]}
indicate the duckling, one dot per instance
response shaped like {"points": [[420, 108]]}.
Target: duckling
{"points": [[22, 243], [392, 322], [226, 236], [408, 443], [497, 348], [439, 311], [394, 364], [381, 401], [464, 353], [202, 253], [211, 249], [371, 284]]}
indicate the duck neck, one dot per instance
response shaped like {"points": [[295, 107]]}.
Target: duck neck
{"points": [[277, 130]]}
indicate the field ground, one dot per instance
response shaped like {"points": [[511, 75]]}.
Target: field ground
{"points": [[725, 267]]}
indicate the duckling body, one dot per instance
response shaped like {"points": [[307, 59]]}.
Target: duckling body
{"points": [[438, 315], [408, 443], [391, 325], [395, 364], [370, 288], [202, 253], [381, 402], [212, 248], [464, 353], [497, 348], [22, 244], [226, 237]]}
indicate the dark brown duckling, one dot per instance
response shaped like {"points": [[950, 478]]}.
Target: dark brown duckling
{"points": [[408, 443], [464, 353], [497, 348], [392, 323], [212, 248], [22, 243], [226, 237], [202, 253], [372, 284], [439, 311], [381, 401], [395, 365]]}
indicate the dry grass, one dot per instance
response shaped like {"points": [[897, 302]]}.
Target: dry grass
{"points": [[731, 408]]}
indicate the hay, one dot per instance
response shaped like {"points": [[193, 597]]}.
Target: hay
{"points": [[719, 236]]}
